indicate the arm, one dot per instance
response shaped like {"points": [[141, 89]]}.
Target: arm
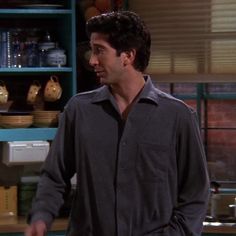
{"points": [[56, 173], [193, 183]]}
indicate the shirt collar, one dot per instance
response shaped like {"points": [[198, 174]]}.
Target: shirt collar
{"points": [[149, 92]]}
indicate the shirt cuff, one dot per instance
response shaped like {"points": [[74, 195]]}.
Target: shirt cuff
{"points": [[43, 216]]}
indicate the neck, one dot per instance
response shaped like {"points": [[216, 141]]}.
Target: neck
{"points": [[129, 87], [126, 92]]}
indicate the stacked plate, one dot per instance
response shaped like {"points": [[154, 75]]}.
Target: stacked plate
{"points": [[45, 118], [15, 121]]}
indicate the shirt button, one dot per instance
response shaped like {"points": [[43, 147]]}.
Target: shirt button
{"points": [[118, 188], [124, 143], [122, 167]]}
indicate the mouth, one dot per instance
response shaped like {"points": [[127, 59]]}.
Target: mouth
{"points": [[100, 73]]}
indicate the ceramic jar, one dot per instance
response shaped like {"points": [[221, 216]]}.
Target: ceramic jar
{"points": [[56, 57]]}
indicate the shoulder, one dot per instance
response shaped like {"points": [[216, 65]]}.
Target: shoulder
{"points": [[80, 101], [177, 110], [82, 98], [176, 105], [87, 96]]}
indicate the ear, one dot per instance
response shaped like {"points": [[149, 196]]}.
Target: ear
{"points": [[129, 57]]}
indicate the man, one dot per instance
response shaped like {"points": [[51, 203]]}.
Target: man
{"points": [[137, 152]]}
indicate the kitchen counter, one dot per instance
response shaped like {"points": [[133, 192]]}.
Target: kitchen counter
{"points": [[18, 224], [219, 228]]}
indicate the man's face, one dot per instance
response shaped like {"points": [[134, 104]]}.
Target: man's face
{"points": [[108, 66]]}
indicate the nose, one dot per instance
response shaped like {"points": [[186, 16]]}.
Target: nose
{"points": [[93, 61]]}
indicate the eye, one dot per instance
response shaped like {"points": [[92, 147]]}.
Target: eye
{"points": [[98, 50]]}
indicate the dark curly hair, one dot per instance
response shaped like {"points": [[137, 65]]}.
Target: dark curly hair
{"points": [[125, 31]]}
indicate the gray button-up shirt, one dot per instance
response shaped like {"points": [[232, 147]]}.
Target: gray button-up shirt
{"points": [[145, 176]]}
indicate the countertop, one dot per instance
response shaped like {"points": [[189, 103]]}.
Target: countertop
{"points": [[219, 228], [18, 224]]}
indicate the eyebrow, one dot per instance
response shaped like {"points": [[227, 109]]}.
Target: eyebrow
{"points": [[97, 45]]}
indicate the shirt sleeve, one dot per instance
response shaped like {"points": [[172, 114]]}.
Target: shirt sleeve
{"points": [[56, 173], [193, 181]]}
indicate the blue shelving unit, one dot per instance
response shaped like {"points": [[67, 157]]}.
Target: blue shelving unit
{"points": [[27, 134], [65, 27]]}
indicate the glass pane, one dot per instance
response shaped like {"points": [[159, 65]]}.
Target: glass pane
{"points": [[165, 87], [185, 88], [221, 114], [221, 88], [221, 150]]}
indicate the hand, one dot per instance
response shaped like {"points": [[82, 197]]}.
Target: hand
{"points": [[38, 228]]}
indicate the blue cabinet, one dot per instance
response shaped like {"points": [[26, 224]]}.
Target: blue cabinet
{"points": [[61, 21]]}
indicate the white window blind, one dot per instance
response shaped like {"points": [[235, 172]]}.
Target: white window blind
{"points": [[191, 37]]}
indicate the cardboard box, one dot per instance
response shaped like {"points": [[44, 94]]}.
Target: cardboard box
{"points": [[8, 201]]}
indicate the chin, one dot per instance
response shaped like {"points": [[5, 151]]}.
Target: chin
{"points": [[103, 81]]}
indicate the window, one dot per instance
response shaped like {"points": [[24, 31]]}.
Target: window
{"points": [[191, 37], [194, 58]]}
